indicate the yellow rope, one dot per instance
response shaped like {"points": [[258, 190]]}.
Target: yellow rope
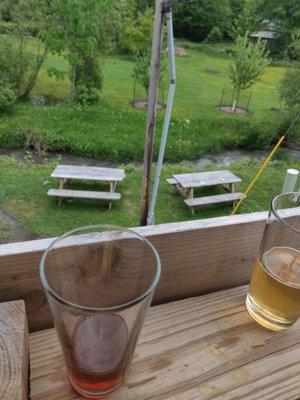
{"points": [[259, 172]]}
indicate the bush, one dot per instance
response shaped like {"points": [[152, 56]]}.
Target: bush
{"points": [[294, 50], [288, 88], [88, 82], [7, 28], [214, 36], [7, 97]]}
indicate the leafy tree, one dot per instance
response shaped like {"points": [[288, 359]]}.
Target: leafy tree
{"points": [[137, 36], [249, 63], [286, 17], [289, 88], [194, 20], [18, 60], [81, 31], [137, 39], [214, 36], [289, 95], [7, 95], [141, 70], [248, 19]]}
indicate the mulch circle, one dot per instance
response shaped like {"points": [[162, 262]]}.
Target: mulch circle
{"points": [[238, 111], [143, 105]]}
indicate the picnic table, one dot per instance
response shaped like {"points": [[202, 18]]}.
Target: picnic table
{"points": [[66, 173], [186, 183]]}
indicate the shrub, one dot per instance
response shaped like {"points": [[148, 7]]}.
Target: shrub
{"points": [[214, 36], [289, 95], [288, 88], [88, 82], [7, 97]]}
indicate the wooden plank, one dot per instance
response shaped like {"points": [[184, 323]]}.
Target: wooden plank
{"points": [[201, 348], [198, 257], [84, 194], [220, 198], [171, 181], [202, 179], [88, 173], [13, 351]]}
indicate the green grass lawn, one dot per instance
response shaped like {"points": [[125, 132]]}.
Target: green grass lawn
{"points": [[23, 188], [197, 93], [114, 130]]}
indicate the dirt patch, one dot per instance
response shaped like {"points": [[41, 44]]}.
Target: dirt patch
{"points": [[11, 231], [237, 111], [143, 105], [211, 70], [63, 158], [180, 52]]}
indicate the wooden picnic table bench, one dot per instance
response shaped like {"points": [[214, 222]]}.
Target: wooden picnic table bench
{"points": [[186, 183], [198, 341], [66, 173]]}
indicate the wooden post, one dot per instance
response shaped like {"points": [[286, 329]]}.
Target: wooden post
{"points": [[151, 110]]}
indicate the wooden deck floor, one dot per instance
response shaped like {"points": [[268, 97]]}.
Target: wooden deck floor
{"points": [[201, 348]]}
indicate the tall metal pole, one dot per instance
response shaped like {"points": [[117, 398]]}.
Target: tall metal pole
{"points": [[151, 113], [167, 120]]}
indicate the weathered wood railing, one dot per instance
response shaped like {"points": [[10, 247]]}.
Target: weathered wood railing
{"points": [[197, 257]]}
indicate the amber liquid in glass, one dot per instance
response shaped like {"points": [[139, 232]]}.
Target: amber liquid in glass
{"points": [[98, 357], [274, 293]]}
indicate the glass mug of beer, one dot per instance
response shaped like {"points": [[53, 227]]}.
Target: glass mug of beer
{"points": [[274, 293], [99, 281]]}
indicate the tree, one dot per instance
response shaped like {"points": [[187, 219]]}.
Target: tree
{"points": [[250, 61], [81, 31], [289, 95], [194, 20], [289, 88], [137, 39], [285, 15], [18, 60], [248, 19]]}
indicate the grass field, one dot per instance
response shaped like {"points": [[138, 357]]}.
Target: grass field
{"points": [[197, 93], [23, 188], [114, 130]]}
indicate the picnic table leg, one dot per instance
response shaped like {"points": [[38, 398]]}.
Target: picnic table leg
{"points": [[112, 188], [61, 186], [190, 196], [232, 190]]}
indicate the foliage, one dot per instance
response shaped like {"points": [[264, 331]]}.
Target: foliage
{"points": [[289, 94], [294, 48], [115, 133], [214, 36], [194, 20], [88, 81], [141, 70], [289, 88], [7, 96], [248, 19], [285, 15], [137, 39], [82, 29], [250, 61], [35, 140], [20, 64]]}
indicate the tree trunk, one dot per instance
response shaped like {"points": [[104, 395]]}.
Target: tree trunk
{"points": [[33, 77], [233, 108], [235, 100], [73, 86]]}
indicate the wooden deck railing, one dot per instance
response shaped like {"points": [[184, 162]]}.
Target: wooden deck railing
{"points": [[197, 257]]}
